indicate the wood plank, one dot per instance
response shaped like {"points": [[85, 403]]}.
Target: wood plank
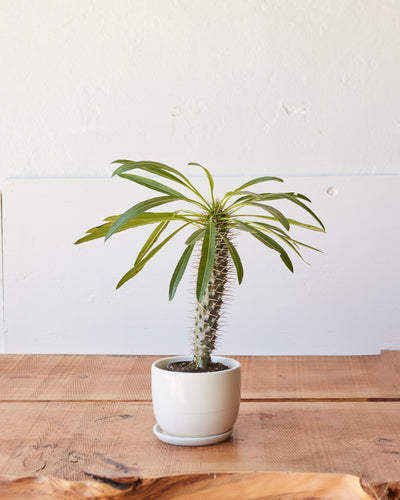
{"points": [[392, 357], [70, 441], [248, 486], [321, 377], [127, 378], [35, 377]]}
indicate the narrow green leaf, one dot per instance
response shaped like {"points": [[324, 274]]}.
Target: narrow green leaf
{"points": [[257, 180], [100, 229], [268, 241], [235, 258], [270, 228], [111, 218], [288, 241], [151, 240], [240, 201], [122, 162], [195, 236], [209, 177], [283, 237], [150, 183], [292, 222], [293, 246], [153, 167], [302, 196], [138, 209], [273, 211], [292, 193], [131, 273], [286, 260], [306, 246], [140, 220], [131, 165], [308, 209], [179, 271], [245, 194], [206, 260], [305, 226], [140, 265], [293, 198], [163, 171], [84, 239]]}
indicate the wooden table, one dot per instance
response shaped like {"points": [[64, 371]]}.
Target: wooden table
{"points": [[89, 418]]}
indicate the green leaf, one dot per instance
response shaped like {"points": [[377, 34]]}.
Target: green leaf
{"points": [[286, 260], [305, 207], [285, 238], [246, 195], [206, 260], [153, 167], [150, 183], [131, 273], [268, 241], [151, 240], [257, 180], [209, 177], [195, 236], [140, 265], [140, 220], [111, 218], [273, 211], [138, 209], [302, 196], [292, 222], [164, 171], [270, 228], [305, 226], [297, 195], [236, 259], [149, 168], [306, 246], [179, 271], [293, 198]]}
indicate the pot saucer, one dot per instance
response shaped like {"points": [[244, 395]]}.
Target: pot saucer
{"points": [[189, 441]]}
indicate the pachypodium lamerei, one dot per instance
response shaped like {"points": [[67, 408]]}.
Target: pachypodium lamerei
{"points": [[215, 223], [208, 308]]}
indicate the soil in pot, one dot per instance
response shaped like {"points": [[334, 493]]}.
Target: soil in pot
{"points": [[190, 367]]}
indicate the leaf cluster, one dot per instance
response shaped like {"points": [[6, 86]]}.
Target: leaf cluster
{"points": [[208, 218]]}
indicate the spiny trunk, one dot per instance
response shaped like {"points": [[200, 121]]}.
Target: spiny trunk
{"points": [[208, 310]]}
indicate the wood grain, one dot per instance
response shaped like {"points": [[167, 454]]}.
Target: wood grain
{"points": [[114, 439], [126, 378], [322, 377], [88, 419], [244, 486], [74, 377]]}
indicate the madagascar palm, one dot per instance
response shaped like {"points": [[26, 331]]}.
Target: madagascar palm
{"points": [[214, 221]]}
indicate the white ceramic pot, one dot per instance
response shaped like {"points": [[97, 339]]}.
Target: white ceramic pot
{"points": [[195, 405]]}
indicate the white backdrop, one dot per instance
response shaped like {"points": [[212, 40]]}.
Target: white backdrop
{"points": [[294, 88], [61, 298]]}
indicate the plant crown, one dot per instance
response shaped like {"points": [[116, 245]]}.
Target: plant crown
{"points": [[213, 220]]}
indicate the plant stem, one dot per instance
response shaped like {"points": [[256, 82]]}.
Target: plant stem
{"points": [[208, 310]]}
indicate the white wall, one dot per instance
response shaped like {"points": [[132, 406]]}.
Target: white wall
{"points": [[61, 297], [292, 88]]}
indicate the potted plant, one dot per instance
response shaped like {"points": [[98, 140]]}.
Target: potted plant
{"points": [[196, 399]]}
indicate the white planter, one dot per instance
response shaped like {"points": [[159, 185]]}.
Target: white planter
{"points": [[195, 408]]}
